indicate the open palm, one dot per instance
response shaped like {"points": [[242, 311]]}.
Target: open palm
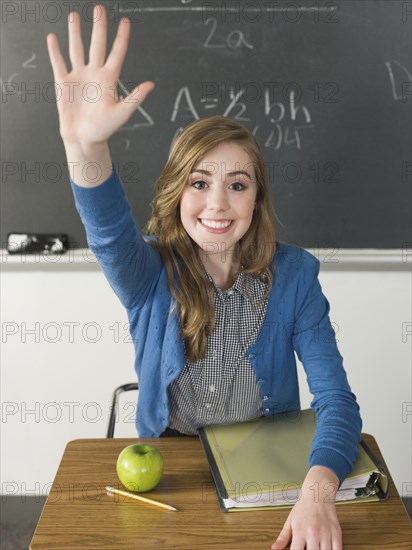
{"points": [[87, 102]]}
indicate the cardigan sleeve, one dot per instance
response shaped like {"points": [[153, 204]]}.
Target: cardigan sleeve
{"points": [[338, 429], [130, 265]]}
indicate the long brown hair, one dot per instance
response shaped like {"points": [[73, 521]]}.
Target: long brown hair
{"points": [[254, 251]]}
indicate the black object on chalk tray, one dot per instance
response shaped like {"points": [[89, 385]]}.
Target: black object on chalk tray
{"points": [[31, 243]]}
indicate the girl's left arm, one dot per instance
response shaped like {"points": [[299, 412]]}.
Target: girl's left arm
{"points": [[339, 425], [313, 521]]}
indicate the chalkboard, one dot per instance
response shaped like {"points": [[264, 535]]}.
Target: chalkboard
{"points": [[325, 87]]}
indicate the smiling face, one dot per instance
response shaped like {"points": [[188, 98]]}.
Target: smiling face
{"points": [[216, 207]]}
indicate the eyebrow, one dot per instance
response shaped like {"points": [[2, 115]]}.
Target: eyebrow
{"points": [[228, 173]]}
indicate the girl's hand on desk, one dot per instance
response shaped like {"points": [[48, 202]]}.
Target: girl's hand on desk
{"points": [[313, 522], [87, 99]]}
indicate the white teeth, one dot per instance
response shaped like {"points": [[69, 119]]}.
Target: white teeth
{"points": [[216, 224]]}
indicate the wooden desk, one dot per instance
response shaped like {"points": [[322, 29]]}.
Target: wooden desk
{"points": [[79, 514]]}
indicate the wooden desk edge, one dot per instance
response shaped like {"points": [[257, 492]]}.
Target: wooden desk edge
{"points": [[393, 496]]}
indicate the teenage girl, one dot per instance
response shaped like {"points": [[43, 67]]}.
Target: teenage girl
{"points": [[217, 306]]}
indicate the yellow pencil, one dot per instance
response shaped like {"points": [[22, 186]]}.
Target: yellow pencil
{"points": [[142, 499]]}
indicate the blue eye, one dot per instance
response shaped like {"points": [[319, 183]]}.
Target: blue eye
{"points": [[200, 184], [196, 182], [241, 186]]}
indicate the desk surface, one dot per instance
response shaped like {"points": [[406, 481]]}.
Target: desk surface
{"points": [[79, 514]]}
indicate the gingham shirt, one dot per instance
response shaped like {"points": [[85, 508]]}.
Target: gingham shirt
{"points": [[222, 388]]}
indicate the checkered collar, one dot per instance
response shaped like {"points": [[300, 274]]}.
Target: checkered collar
{"points": [[243, 285]]}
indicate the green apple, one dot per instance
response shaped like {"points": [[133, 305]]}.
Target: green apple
{"points": [[140, 467]]}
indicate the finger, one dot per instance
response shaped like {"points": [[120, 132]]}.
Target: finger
{"points": [[314, 543], [299, 543], [126, 108], [326, 544], [76, 50], [97, 51], [337, 543], [283, 538], [279, 544], [138, 94], [119, 49], [56, 59]]}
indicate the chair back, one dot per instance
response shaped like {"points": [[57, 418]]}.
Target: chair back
{"points": [[123, 411]]}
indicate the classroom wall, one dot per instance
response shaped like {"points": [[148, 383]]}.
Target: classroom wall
{"points": [[57, 380]]}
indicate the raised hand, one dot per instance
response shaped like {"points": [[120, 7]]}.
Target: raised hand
{"points": [[87, 101]]}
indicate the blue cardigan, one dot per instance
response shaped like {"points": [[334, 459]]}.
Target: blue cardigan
{"points": [[297, 319]]}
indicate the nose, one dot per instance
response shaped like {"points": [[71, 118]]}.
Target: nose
{"points": [[217, 199]]}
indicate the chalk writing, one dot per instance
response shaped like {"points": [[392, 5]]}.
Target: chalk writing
{"points": [[251, 12], [9, 85], [275, 112], [28, 63], [293, 109], [401, 88], [235, 103], [134, 125], [280, 136], [235, 38], [184, 97]]}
